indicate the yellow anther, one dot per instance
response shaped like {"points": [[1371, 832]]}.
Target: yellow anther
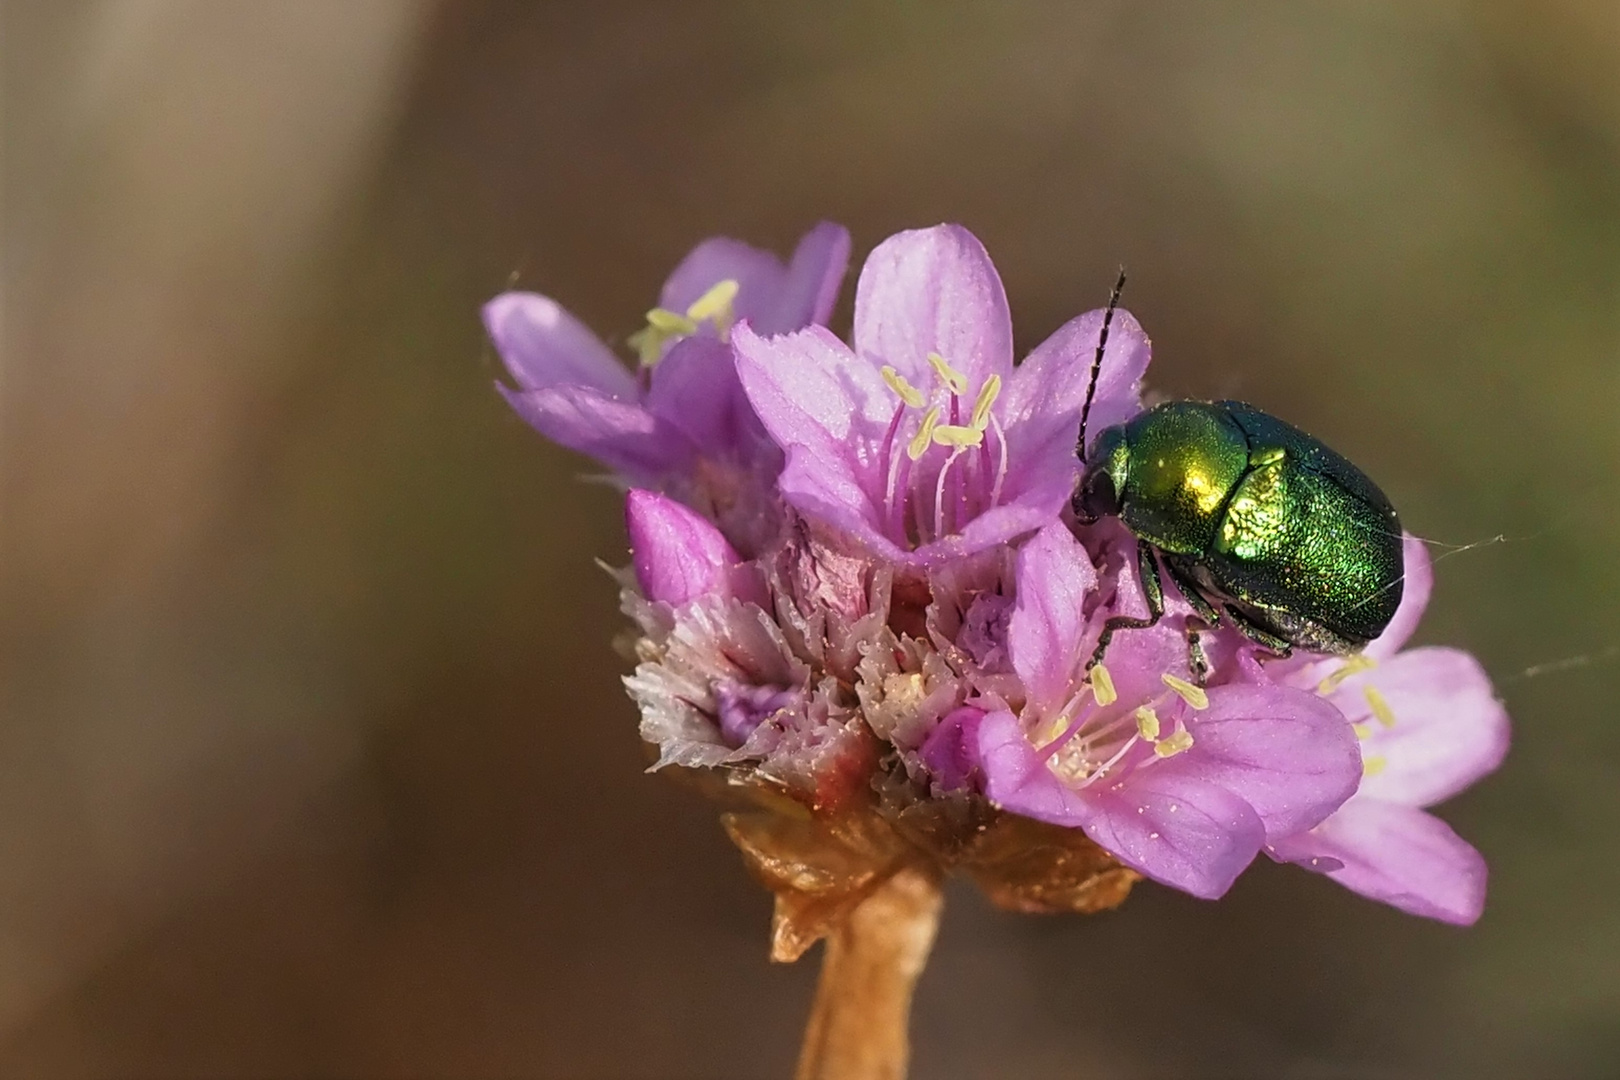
{"points": [[1147, 723], [1102, 685], [1353, 666], [1380, 707], [904, 390], [1373, 766], [924, 438], [666, 321], [955, 435], [1361, 730], [648, 343], [987, 398], [714, 305], [1192, 695], [1175, 744], [953, 379]]}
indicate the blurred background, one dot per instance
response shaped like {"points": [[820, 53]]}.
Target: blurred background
{"points": [[313, 757]]}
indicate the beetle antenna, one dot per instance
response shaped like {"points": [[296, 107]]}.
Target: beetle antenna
{"points": [[1096, 364]]}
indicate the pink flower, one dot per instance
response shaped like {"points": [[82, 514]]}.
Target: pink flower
{"points": [[922, 441], [679, 423], [1183, 785]]}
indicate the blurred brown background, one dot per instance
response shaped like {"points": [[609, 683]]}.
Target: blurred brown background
{"points": [[313, 760]]}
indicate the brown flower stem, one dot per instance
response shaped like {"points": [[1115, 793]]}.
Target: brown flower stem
{"points": [[857, 1028]]}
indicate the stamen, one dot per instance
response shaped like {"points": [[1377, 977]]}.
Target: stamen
{"points": [[1102, 685], [906, 392], [924, 438], [1147, 722], [1353, 666], [958, 435], [666, 321], [1380, 707], [987, 398], [715, 305], [954, 380], [648, 343], [939, 491], [1175, 744], [1373, 766], [1361, 730], [1001, 462], [1192, 695]]}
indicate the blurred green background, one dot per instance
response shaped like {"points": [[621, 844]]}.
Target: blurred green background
{"points": [[313, 758]]}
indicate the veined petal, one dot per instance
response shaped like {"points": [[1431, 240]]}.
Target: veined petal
{"points": [[620, 434], [1178, 830], [1054, 574], [933, 291], [810, 289], [678, 555], [759, 276], [1047, 391], [1175, 828], [830, 412], [1400, 855], [1419, 583], [1449, 728], [1287, 753], [543, 346], [695, 390]]}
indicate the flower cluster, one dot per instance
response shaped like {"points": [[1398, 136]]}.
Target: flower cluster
{"points": [[856, 580]]}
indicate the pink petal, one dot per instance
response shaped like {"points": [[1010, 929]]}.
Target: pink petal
{"points": [[1449, 729], [933, 290], [678, 554], [951, 750], [1418, 584], [620, 434], [1399, 855], [1287, 753], [814, 274], [1041, 410], [695, 390], [544, 346], [830, 412], [1045, 394], [1017, 779], [1044, 633], [759, 276], [1176, 829]]}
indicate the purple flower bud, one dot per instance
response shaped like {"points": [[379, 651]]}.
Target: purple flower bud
{"points": [[678, 555]]}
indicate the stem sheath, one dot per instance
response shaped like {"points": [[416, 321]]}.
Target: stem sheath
{"points": [[857, 1028]]}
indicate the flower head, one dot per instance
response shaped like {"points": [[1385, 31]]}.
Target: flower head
{"points": [[893, 628]]}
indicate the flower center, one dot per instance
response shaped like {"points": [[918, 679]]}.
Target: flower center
{"points": [[940, 473], [665, 327], [1095, 743]]}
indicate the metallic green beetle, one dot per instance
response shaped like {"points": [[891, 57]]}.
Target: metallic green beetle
{"points": [[1258, 524]]}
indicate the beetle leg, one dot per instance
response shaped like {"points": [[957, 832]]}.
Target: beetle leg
{"points": [[1205, 617], [1264, 638], [1152, 590]]}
